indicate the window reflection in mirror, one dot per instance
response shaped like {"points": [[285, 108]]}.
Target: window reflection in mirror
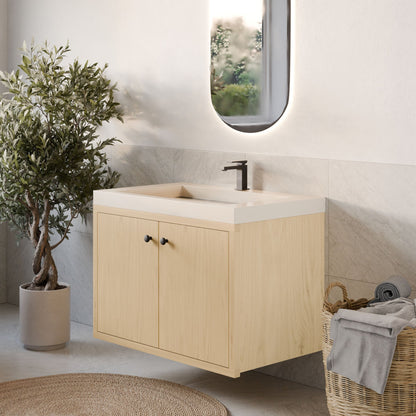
{"points": [[249, 61]]}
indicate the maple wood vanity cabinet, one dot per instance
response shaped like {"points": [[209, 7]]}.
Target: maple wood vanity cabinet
{"points": [[224, 297]]}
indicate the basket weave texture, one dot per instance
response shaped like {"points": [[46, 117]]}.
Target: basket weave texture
{"points": [[346, 398]]}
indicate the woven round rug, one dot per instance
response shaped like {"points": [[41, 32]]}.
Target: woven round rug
{"points": [[101, 395]]}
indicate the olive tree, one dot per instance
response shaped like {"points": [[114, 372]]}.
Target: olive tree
{"points": [[51, 157]]}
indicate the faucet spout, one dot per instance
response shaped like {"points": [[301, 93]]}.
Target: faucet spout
{"points": [[241, 168]]}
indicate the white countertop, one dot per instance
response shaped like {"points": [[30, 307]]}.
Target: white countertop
{"points": [[209, 202]]}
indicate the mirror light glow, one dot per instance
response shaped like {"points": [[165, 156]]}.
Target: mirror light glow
{"points": [[251, 11]]}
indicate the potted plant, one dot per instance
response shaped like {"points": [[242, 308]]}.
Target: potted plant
{"points": [[51, 160]]}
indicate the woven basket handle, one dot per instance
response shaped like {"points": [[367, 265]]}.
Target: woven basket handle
{"points": [[333, 307], [345, 303], [336, 284]]}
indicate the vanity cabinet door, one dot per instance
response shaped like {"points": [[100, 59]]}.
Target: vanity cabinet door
{"points": [[127, 288], [193, 292]]}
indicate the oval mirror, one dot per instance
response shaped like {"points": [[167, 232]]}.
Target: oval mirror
{"points": [[250, 61]]}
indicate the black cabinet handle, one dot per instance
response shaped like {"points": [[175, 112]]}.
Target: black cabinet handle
{"points": [[163, 241], [147, 238]]}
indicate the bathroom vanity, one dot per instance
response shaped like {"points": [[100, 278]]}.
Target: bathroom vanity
{"points": [[223, 280]]}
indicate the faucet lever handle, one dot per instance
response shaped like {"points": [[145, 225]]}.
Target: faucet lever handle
{"points": [[240, 162]]}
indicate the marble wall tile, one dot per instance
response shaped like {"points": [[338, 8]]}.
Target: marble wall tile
{"points": [[204, 167], [140, 165], [289, 174], [19, 265], [308, 370], [81, 226], [74, 259], [372, 221]]}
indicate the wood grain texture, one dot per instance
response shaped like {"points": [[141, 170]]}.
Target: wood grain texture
{"points": [[230, 372], [95, 269], [193, 292], [229, 299], [278, 289], [127, 272]]}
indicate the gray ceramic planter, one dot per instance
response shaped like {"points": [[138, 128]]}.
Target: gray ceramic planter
{"points": [[44, 318]]}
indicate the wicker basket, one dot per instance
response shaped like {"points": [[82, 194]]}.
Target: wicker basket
{"points": [[346, 398]]}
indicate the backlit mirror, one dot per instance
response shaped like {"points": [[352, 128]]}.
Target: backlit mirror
{"points": [[249, 61]]}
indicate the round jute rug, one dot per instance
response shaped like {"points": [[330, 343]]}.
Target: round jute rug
{"points": [[102, 395]]}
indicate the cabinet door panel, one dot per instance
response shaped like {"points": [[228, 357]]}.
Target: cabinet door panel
{"points": [[193, 292], [127, 292]]}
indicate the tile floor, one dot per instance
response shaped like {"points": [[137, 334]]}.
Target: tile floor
{"points": [[253, 394]]}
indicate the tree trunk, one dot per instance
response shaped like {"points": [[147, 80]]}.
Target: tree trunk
{"points": [[47, 277], [44, 268]]}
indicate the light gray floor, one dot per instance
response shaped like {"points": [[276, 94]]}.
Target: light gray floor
{"points": [[253, 394]]}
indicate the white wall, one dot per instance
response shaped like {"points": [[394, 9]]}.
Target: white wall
{"points": [[353, 90], [3, 35]]}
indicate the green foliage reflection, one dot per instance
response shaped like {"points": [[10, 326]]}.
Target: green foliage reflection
{"points": [[236, 67]]}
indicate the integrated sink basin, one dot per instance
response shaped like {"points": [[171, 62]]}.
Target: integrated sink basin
{"points": [[211, 203]]}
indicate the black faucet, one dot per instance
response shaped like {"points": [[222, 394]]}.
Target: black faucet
{"points": [[241, 169]]}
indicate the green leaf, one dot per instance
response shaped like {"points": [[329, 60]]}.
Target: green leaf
{"points": [[26, 60]]}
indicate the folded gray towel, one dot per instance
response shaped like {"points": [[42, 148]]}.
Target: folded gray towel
{"points": [[394, 287], [364, 344], [403, 308]]}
